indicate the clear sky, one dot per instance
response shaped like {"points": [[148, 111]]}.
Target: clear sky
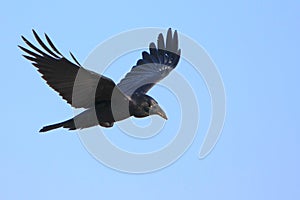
{"points": [[255, 45]]}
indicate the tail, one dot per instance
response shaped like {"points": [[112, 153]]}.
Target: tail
{"points": [[66, 124]]}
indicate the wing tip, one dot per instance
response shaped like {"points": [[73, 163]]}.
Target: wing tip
{"points": [[22, 48], [24, 39], [152, 45], [74, 58], [33, 31]]}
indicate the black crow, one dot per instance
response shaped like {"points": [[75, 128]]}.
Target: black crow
{"points": [[104, 101]]}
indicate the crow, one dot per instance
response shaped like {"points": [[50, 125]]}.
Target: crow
{"points": [[104, 101]]}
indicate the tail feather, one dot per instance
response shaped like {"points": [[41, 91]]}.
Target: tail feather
{"points": [[66, 124]]}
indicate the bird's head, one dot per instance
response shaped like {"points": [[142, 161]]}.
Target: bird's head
{"points": [[145, 105]]}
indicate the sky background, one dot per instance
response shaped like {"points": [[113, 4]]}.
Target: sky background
{"points": [[255, 45]]}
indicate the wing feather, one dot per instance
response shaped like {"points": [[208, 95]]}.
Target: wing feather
{"points": [[65, 77], [153, 67]]}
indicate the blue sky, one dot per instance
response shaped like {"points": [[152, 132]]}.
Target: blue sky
{"points": [[255, 45]]}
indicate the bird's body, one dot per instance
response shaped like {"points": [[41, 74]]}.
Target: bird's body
{"points": [[105, 102]]}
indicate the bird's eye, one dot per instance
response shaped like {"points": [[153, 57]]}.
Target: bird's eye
{"points": [[146, 109], [145, 106]]}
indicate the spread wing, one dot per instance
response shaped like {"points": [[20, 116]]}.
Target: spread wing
{"points": [[64, 76], [153, 67]]}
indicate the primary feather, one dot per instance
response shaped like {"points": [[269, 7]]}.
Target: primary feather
{"points": [[153, 67]]}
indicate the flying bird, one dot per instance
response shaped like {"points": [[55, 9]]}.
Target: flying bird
{"points": [[104, 101]]}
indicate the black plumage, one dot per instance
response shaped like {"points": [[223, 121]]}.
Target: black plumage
{"points": [[105, 102]]}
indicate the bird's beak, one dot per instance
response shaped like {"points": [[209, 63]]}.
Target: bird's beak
{"points": [[157, 110]]}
